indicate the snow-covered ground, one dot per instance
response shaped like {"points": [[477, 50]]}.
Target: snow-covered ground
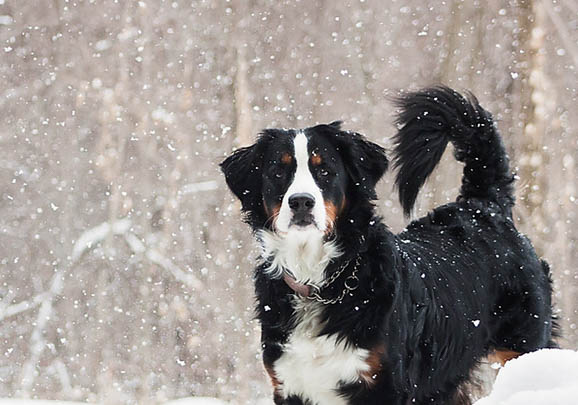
{"points": [[9, 401], [196, 401], [545, 377], [183, 401]]}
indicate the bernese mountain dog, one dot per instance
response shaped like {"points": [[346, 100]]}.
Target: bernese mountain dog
{"points": [[352, 313]]}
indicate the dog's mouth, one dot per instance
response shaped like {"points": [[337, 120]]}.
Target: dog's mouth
{"points": [[302, 221]]}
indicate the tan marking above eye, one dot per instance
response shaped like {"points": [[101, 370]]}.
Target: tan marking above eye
{"points": [[316, 159], [286, 158]]}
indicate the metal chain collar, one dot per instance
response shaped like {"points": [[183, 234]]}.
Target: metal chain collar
{"points": [[351, 283]]}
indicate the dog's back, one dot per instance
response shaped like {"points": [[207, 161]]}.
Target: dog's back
{"points": [[475, 268]]}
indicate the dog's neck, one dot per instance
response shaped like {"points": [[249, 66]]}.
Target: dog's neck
{"points": [[305, 254]]}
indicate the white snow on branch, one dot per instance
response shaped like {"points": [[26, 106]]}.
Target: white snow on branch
{"points": [[186, 278], [87, 240], [197, 187], [548, 376], [134, 243], [6, 20], [11, 310], [95, 235], [37, 341], [99, 233]]}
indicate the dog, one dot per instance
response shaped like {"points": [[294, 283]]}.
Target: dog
{"points": [[352, 313]]}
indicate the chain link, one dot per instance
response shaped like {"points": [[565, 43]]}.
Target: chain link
{"points": [[351, 283]]}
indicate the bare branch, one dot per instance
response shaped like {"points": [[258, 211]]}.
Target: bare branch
{"points": [[97, 234], [186, 278], [193, 188], [37, 342], [22, 306]]}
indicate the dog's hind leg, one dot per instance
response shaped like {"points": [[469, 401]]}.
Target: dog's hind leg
{"points": [[457, 396], [502, 356], [523, 315]]}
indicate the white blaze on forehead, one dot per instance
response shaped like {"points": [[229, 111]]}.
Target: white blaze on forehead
{"points": [[303, 182]]}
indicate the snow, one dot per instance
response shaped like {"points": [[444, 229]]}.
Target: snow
{"points": [[548, 376], [122, 252], [97, 234], [182, 401], [10, 401], [197, 401]]}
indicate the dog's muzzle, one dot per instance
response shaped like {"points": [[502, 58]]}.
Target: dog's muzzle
{"points": [[301, 205]]}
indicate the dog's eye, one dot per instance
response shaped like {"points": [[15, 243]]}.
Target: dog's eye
{"points": [[324, 173], [277, 172]]}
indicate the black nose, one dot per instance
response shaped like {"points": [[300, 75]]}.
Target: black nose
{"points": [[301, 202]]}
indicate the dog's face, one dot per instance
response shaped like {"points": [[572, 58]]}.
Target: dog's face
{"points": [[303, 180], [304, 184]]}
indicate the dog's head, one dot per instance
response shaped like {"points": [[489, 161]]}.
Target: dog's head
{"points": [[302, 181]]}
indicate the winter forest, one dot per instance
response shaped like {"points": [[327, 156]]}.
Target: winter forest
{"points": [[125, 269]]}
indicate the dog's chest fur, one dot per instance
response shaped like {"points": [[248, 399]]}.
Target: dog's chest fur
{"points": [[314, 367]]}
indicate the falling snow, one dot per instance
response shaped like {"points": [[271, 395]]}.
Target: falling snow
{"points": [[125, 269]]}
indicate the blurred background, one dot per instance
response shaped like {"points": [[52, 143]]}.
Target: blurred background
{"points": [[125, 271]]}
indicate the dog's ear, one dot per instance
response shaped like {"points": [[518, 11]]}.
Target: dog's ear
{"points": [[364, 160], [335, 124], [242, 172]]}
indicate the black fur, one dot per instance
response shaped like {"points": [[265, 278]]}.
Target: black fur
{"points": [[432, 117], [435, 299]]}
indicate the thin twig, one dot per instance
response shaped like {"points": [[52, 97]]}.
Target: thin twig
{"points": [[37, 343], [186, 278]]}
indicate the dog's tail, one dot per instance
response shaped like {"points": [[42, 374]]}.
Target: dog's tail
{"points": [[430, 118]]}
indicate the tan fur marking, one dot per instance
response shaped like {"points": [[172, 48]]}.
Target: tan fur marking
{"points": [[316, 159], [275, 214], [274, 380], [374, 361], [286, 159], [502, 356], [332, 212], [271, 214]]}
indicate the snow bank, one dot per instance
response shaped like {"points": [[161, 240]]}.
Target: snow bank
{"points": [[548, 376]]}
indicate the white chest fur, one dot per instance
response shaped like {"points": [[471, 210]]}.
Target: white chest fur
{"points": [[313, 366]]}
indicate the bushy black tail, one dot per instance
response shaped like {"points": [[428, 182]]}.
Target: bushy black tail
{"points": [[430, 118]]}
